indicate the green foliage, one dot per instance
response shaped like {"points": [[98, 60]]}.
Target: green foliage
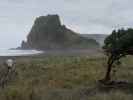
{"points": [[117, 45], [119, 42]]}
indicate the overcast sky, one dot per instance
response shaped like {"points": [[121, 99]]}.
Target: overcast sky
{"points": [[82, 16]]}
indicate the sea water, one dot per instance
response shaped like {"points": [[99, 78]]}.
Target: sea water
{"points": [[9, 52]]}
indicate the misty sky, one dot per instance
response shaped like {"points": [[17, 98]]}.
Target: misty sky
{"points": [[82, 16]]}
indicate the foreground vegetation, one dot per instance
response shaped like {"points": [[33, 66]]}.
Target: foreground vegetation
{"points": [[117, 45], [65, 78]]}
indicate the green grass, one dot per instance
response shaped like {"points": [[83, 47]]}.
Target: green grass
{"points": [[64, 78]]}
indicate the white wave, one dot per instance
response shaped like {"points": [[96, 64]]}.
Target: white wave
{"points": [[6, 52]]}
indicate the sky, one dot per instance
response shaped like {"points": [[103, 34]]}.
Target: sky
{"points": [[82, 16]]}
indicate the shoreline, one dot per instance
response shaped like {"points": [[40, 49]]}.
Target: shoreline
{"points": [[77, 52]]}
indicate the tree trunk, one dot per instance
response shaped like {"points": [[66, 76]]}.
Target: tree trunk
{"points": [[109, 68]]}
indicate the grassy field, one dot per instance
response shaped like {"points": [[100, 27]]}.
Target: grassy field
{"points": [[66, 78]]}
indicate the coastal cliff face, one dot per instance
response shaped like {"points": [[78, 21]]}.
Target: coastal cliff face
{"points": [[48, 33], [98, 37]]}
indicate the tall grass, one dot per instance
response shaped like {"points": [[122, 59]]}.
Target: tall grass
{"points": [[64, 78]]}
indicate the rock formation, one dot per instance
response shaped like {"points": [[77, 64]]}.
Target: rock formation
{"points": [[48, 33]]}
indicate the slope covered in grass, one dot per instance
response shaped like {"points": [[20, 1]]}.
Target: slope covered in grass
{"points": [[65, 78]]}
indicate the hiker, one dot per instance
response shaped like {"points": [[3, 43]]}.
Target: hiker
{"points": [[9, 63], [6, 72]]}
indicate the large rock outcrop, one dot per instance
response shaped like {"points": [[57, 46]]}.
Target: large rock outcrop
{"points": [[48, 33]]}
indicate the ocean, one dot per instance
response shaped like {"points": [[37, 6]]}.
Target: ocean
{"points": [[8, 52]]}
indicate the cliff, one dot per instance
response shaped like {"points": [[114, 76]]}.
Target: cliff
{"points": [[98, 37], [48, 33]]}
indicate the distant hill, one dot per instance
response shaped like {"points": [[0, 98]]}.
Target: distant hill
{"points": [[48, 33], [98, 37]]}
